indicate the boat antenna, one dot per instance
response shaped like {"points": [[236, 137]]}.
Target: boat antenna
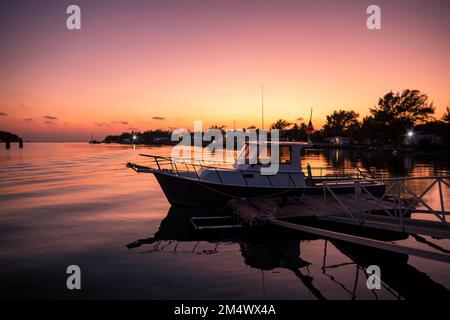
{"points": [[262, 106]]}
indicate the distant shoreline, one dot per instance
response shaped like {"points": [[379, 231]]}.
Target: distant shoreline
{"points": [[370, 149]]}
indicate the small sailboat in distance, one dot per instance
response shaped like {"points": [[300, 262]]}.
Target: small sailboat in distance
{"points": [[93, 141]]}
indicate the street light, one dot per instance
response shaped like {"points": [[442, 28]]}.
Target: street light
{"points": [[410, 135]]}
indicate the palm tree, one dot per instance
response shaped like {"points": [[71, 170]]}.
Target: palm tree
{"points": [[281, 124]]}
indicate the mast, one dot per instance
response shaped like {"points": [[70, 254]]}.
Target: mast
{"points": [[262, 106]]}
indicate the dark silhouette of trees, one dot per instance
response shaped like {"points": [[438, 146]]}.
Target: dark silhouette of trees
{"points": [[9, 137], [371, 131], [446, 116], [297, 132], [398, 112], [281, 124], [341, 123], [394, 115], [144, 137]]}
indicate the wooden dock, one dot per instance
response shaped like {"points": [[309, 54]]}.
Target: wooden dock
{"points": [[256, 210], [362, 210]]}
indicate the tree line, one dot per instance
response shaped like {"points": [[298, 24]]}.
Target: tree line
{"points": [[388, 122], [394, 116]]}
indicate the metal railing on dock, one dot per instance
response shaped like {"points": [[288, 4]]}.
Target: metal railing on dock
{"points": [[398, 201]]}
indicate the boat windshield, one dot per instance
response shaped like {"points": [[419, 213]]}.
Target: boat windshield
{"points": [[261, 153]]}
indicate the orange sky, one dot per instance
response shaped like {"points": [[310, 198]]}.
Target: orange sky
{"points": [[206, 60]]}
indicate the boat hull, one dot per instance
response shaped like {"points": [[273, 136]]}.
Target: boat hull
{"points": [[184, 192]]}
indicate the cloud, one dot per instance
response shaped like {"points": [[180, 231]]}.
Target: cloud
{"points": [[3, 114], [102, 124], [28, 119], [133, 129], [49, 122], [158, 118], [50, 118], [300, 119], [120, 122]]}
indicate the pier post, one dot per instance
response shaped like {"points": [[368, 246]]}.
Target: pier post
{"points": [[20, 143], [8, 144]]}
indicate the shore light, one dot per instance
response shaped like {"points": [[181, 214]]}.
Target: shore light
{"points": [[410, 133]]}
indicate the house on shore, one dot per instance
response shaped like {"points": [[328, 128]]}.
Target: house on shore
{"points": [[339, 141], [418, 138]]}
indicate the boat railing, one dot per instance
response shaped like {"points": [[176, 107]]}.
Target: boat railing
{"points": [[193, 169]]}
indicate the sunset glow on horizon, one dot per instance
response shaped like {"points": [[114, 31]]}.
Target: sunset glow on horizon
{"points": [[164, 64]]}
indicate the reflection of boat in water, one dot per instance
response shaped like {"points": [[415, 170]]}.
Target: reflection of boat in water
{"points": [[281, 248], [187, 184]]}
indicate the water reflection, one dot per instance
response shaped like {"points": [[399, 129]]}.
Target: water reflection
{"points": [[391, 164], [76, 203], [270, 248]]}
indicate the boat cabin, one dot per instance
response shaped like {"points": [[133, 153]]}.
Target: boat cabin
{"points": [[247, 169], [255, 155]]}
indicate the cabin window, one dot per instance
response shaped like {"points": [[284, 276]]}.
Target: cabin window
{"points": [[285, 155], [262, 154]]}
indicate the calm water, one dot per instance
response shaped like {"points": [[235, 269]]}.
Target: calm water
{"points": [[75, 203]]}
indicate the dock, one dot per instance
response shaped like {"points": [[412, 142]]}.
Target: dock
{"points": [[389, 212], [254, 211]]}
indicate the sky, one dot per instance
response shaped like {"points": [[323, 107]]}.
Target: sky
{"points": [[138, 65]]}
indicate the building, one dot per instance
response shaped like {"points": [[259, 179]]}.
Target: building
{"points": [[417, 138], [338, 141]]}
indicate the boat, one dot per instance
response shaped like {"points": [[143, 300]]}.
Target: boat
{"points": [[189, 184], [93, 140]]}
